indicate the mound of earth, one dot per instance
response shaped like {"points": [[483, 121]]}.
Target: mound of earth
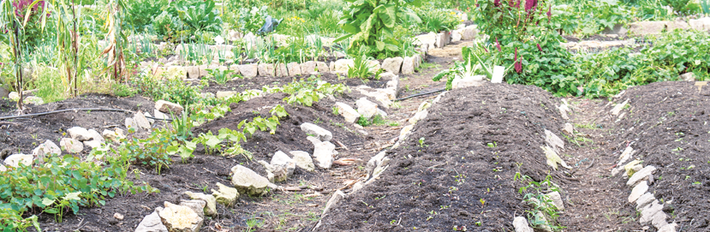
{"points": [[668, 125], [457, 168]]}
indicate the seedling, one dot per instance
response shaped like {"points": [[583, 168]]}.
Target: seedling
{"points": [[492, 145], [421, 142]]}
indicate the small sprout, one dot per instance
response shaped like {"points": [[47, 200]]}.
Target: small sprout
{"points": [[483, 202]]}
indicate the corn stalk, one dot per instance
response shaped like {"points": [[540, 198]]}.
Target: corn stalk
{"points": [[116, 40], [12, 23], [68, 40]]}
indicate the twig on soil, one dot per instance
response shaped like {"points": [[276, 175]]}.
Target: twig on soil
{"points": [[79, 226], [210, 171], [341, 144]]}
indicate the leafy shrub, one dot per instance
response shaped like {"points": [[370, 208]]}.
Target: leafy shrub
{"points": [[362, 68], [679, 6], [370, 25], [590, 17], [251, 19], [437, 20], [141, 13], [172, 90], [187, 20]]}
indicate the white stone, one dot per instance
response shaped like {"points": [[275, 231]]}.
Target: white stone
{"points": [[141, 121], [418, 116], [498, 72], [17, 159], [248, 70], [642, 174], [350, 114], [160, 115], [313, 140], [92, 143], [342, 65], [639, 190], [556, 200], [322, 67], [151, 223], [469, 32], [211, 202], [456, 36], [294, 69], [267, 70], [568, 128], [626, 154], [428, 40], [2, 168], [366, 108], [167, 107], [701, 24], [688, 76], [225, 94], [45, 149], [130, 123], [381, 113], [333, 201], [617, 109], [521, 225], [644, 200], [96, 136], [408, 65], [442, 39], [463, 82], [648, 212], [280, 70], [309, 67], [563, 111], [668, 227], [281, 159], [392, 65], [33, 100], [554, 141], [111, 135], [248, 181], [323, 153], [79, 133], [655, 27], [405, 132], [303, 160], [180, 218], [71, 145], [317, 131], [225, 195]]}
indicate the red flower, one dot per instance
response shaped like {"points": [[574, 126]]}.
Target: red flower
{"points": [[496, 3], [539, 48], [517, 4], [549, 14], [518, 64], [529, 4], [498, 45]]}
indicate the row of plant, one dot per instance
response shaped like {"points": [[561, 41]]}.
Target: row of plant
{"points": [[525, 40], [64, 183]]}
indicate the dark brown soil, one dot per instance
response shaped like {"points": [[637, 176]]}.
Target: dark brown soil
{"points": [[668, 125], [24, 134], [240, 85], [446, 176]]}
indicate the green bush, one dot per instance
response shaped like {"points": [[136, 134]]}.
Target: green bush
{"points": [[141, 13], [187, 20], [251, 19], [437, 20]]}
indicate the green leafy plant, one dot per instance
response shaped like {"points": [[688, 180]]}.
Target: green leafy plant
{"points": [[370, 25], [220, 76], [362, 67], [437, 20], [251, 19]]}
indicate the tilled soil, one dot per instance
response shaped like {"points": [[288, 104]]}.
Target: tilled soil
{"points": [[668, 124], [445, 174]]}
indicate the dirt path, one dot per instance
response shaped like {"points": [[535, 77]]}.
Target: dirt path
{"points": [[594, 200]]}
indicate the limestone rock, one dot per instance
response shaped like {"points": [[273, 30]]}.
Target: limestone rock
{"points": [[427, 40], [688, 76], [211, 202], [552, 158], [442, 39], [281, 159], [568, 129], [248, 70], [226, 94], [225, 195], [71, 145], [167, 107], [151, 223], [17, 159], [655, 27], [392, 65], [317, 131], [408, 66], [669, 227], [280, 70], [639, 190], [648, 212], [456, 36], [350, 114], [640, 175], [321, 67], [323, 154], [333, 201], [418, 116], [267, 70], [180, 218], [521, 225], [469, 32], [556, 200], [92, 143], [366, 108], [303, 160], [313, 140], [617, 109], [701, 24], [405, 132], [96, 136], [113, 135], [544, 226], [309, 67], [79, 133], [294, 69], [463, 82], [46, 149], [248, 181], [342, 65], [141, 121], [644, 200], [555, 142], [130, 123]]}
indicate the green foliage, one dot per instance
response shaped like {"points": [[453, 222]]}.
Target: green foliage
{"points": [[187, 20], [251, 19], [123, 90], [220, 76], [679, 6], [141, 13], [377, 120], [370, 25], [590, 17], [172, 90], [437, 20], [705, 6], [534, 194], [307, 92], [362, 68]]}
